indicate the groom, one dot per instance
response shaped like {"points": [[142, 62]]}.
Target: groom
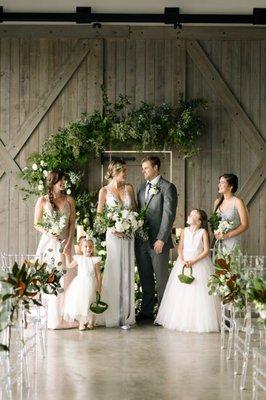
{"points": [[152, 256]]}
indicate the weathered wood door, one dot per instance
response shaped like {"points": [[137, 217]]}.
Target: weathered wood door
{"points": [[50, 80]]}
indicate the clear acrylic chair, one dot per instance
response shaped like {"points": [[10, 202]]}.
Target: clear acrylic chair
{"points": [[259, 371], [16, 377], [227, 325], [248, 331]]}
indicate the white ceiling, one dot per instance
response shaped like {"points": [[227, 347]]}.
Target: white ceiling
{"points": [[186, 6]]}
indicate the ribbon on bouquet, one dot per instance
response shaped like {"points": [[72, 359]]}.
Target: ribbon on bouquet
{"points": [[125, 282], [217, 248]]}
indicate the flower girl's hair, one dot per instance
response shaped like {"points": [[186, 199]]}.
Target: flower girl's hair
{"points": [[114, 167], [85, 239], [203, 219], [52, 178]]}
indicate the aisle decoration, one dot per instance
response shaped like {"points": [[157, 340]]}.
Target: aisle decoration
{"points": [[22, 287]]}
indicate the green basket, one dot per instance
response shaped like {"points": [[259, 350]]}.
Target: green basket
{"points": [[98, 306], [186, 278]]}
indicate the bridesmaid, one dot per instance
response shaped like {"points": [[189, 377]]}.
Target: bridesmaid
{"points": [[231, 208], [62, 245]]}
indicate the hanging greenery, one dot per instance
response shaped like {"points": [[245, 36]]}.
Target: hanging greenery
{"points": [[148, 127]]}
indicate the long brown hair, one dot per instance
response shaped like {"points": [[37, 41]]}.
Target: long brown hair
{"points": [[232, 181], [52, 178]]}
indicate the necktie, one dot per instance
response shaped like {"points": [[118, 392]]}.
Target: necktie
{"points": [[149, 185]]}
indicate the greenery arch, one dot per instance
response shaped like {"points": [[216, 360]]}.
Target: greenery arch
{"points": [[147, 127]]}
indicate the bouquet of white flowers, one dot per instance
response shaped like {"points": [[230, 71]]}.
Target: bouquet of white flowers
{"points": [[224, 226], [121, 220], [53, 221]]}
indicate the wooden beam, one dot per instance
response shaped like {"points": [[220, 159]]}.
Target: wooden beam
{"points": [[229, 101], [253, 183], [53, 91], [134, 32], [10, 166]]}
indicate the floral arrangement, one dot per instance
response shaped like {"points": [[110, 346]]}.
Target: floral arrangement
{"points": [[228, 280], [23, 285], [53, 222], [224, 226]]}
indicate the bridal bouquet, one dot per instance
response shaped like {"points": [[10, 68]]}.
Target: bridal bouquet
{"points": [[121, 220], [224, 226], [53, 221]]}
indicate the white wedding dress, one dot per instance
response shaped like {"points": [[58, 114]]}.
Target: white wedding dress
{"points": [[189, 307], [50, 250], [118, 278]]}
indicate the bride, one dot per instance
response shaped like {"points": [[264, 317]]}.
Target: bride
{"points": [[118, 278]]}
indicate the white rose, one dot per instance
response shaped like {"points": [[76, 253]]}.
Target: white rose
{"points": [[102, 253], [68, 191], [119, 226], [262, 314], [40, 188], [115, 216], [86, 221], [45, 173], [125, 214], [125, 225], [42, 163], [34, 167], [103, 244]]}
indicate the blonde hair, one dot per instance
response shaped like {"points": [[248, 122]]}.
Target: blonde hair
{"points": [[85, 239], [114, 167]]}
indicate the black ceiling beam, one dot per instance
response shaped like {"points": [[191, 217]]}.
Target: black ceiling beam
{"points": [[171, 16]]}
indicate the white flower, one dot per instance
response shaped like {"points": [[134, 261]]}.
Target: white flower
{"points": [[103, 244], [25, 169], [68, 191], [86, 221], [45, 173], [125, 214], [42, 163], [119, 226], [40, 188], [102, 253], [34, 167], [153, 190]]}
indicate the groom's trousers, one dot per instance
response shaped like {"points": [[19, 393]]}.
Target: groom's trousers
{"points": [[149, 264]]}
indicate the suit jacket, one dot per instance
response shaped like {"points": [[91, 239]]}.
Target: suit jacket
{"points": [[161, 211]]}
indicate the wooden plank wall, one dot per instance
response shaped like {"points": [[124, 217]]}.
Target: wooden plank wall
{"points": [[242, 65], [152, 68]]}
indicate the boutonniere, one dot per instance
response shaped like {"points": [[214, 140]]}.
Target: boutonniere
{"points": [[154, 190]]}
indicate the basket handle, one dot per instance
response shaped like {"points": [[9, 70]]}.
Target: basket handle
{"points": [[185, 266]]}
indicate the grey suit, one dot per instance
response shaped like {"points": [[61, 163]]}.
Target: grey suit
{"points": [[159, 217]]}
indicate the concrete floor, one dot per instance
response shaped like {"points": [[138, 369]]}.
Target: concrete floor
{"points": [[145, 363]]}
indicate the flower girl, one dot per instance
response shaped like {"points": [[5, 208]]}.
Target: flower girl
{"points": [[82, 290], [189, 307]]}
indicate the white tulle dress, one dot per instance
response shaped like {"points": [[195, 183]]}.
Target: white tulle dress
{"points": [[82, 290], [189, 308]]}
